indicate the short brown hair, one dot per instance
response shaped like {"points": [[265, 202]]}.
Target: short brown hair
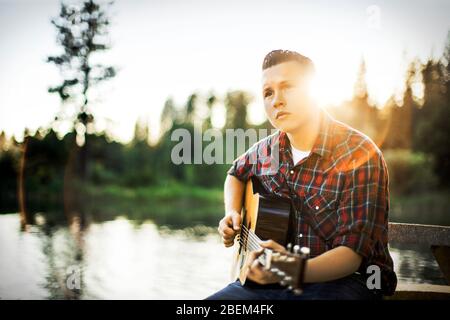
{"points": [[275, 57]]}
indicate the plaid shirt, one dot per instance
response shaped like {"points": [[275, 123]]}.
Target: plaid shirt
{"points": [[340, 192]]}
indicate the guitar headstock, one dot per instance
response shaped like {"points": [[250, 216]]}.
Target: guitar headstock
{"points": [[289, 266]]}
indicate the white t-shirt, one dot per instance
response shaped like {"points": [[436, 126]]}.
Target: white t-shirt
{"points": [[298, 155]]}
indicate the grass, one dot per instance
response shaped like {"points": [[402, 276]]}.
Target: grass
{"points": [[174, 205], [425, 208]]}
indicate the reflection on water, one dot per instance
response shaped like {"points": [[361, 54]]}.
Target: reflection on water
{"points": [[416, 264], [122, 260], [119, 260]]}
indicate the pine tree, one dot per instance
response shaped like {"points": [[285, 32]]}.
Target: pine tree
{"points": [[82, 31]]}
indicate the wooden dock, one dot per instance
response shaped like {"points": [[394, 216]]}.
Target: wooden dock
{"points": [[437, 238]]}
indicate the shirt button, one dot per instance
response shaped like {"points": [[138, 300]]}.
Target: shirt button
{"points": [[317, 207], [300, 235], [291, 172]]}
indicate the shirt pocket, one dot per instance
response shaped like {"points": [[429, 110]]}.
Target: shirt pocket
{"points": [[320, 209], [269, 175], [271, 183]]}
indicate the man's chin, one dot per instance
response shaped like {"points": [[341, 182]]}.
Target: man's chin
{"points": [[288, 125], [288, 128]]}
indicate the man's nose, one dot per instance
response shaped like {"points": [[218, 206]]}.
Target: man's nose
{"points": [[278, 100]]}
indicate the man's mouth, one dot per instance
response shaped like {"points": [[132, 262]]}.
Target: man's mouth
{"points": [[281, 114]]}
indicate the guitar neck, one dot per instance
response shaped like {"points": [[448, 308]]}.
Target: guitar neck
{"points": [[264, 257]]}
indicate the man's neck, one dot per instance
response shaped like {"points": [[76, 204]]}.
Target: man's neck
{"points": [[305, 136]]}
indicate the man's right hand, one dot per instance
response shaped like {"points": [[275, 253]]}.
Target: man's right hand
{"points": [[229, 227]]}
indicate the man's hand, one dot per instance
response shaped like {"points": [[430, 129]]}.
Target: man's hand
{"points": [[229, 227], [256, 271]]}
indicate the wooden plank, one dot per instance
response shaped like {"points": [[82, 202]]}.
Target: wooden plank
{"points": [[419, 234], [420, 292]]}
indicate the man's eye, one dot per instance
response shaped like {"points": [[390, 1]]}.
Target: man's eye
{"points": [[267, 93]]}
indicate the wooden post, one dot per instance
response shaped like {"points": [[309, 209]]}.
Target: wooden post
{"points": [[442, 255], [25, 217]]}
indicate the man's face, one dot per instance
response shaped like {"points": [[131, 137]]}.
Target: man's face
{"points": [[286, 95]]}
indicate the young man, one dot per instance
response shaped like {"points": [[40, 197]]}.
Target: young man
{"points": [[338, 181]]}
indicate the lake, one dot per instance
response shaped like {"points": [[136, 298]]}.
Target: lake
{"points": [[123, 259]]}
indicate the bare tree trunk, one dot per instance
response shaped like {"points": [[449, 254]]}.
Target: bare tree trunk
{"points": [[25, 217]]}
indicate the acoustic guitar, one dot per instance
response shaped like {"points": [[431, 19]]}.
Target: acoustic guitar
{"points": [[266, 216]]}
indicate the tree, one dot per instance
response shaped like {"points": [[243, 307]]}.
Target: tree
{"points": [[364, 116], [190, 108], [236, 103], [168, 116], [210, 101], [432, 134], [82, 31], [402, 117]]}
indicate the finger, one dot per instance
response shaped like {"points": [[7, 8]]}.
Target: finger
{"points": [[227, 239], [255, 265], [256, 270], [270, 244], [253, 256], [224, 222], [236, 219], [229, 244], [224, 229], [265, 276], [228, 232], [228, 221], [252, 267]]}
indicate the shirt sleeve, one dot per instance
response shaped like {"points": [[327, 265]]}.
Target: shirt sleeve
{"points": [[245, 165], [363, 209]]}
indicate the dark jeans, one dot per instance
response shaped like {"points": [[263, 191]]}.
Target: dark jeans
{"points": [[352, 287]]}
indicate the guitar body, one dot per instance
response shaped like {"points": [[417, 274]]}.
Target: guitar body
{"points": [[264, 215]]}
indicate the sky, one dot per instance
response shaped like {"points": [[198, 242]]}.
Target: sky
{"points": [[173, 48]]}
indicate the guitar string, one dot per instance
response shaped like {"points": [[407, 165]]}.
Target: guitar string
{"points": [[252, 245], [245, 228], [261, 258], [248, 245], [246, 236], [253, 237], [248, 232], [245, 239]]}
